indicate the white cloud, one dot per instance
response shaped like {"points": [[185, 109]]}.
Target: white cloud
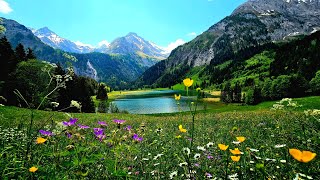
{"points": [[192, 34], [5, 7], [173, 45], [79, 43], [104, 42]]}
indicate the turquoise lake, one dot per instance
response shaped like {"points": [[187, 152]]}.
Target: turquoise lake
{"points": [[154, 102]]}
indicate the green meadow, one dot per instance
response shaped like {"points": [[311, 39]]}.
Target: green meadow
{"points": [[155, 147]]}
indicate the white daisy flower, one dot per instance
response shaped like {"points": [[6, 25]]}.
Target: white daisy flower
{"points": [[197, 156]]}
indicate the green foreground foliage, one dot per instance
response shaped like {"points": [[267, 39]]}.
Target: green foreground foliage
{"points": [[164, 151]]}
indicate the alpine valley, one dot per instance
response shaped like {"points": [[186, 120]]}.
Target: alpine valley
{"points": [[116, 64], [247, 47]]}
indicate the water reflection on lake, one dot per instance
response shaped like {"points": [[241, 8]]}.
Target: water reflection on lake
{"points": [[153, 102]]}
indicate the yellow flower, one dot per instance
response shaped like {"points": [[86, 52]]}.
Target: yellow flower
{"points": [[187, 82], [236, 151], [40, 140], [241, 139], [33, 169], [235, 158], [304, 156], [181, 129], [223, 147], [178, 137], [177, 97]]}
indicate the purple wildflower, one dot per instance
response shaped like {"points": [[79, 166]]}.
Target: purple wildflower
{"points": [[69, 135], [102, 123], [128, 128], [119, 121], [45, 133], [83, 126], [209, 157], [208, 175], [71, 122], [99, 132], [196, 164], [137, 138]]}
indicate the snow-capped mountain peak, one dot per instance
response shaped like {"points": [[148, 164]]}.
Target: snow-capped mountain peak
{"points": [[52, 39], [132, 43], [104, 43]]}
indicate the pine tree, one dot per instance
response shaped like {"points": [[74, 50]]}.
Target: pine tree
{"points": [[102, 92], [30, 54], [8, 61], [20, 53]]}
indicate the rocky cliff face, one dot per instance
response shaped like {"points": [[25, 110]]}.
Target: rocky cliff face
{"points": [[254, 23]]}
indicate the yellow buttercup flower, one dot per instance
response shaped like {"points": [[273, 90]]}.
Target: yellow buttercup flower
{"points": [[177, 97], [181, 129], [187, 82], [236, 151], [40, 140], [304, 156], [223, 147], [178, 137], [235, 158], [241, 138], [33, 169]]}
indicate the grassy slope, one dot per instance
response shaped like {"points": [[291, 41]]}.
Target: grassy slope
{"points": [[262, 128]]}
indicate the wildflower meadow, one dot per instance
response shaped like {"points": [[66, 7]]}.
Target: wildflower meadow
{"points": [[279, 143]]}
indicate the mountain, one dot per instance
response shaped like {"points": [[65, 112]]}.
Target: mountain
{"points": [[130, 44], [116, 70], [253, 24], [52, 39]]}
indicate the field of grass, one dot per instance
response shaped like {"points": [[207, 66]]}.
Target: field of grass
{"points": [[155, 147]]}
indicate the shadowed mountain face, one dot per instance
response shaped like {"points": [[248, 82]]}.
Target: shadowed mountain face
{"points": [[252, 24]]}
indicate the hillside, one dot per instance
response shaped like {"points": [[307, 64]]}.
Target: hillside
{"points": [[115, 70], [253, 26]]}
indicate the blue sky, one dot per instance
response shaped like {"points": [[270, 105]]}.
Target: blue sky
{"points": [[91, 21]]}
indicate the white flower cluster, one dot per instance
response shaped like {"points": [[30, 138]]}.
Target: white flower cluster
{"points": [[9, 135], [75, 104], [285, 102]]}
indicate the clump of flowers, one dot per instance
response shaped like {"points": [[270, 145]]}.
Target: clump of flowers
{"points": [[119, 122], [302, 156], [177, 97], [137, 138], [45, 133], [223, 147], [33, 169], [187, 82], [181, 129], [71, 122], [40, 140]]}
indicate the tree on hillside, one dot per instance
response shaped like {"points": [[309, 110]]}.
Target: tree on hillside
{"points": [[237, 93], [30, 54], [8, 61], [315, 84], [20, 53], [226, 93], [102, 92]]}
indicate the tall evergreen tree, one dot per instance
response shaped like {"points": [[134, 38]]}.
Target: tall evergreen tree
{"points": [[30, 54], [102, 92], [20, 53], [8, 61]]}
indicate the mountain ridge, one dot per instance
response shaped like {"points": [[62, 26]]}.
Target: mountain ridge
{"points": [[128, 44], [252, 24]]}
